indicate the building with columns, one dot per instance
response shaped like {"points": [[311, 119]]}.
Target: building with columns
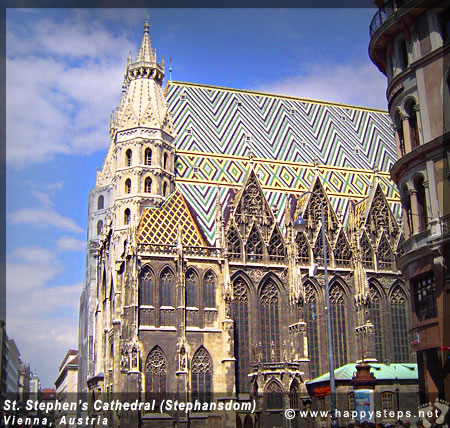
{"points": [[410, 45], [197, 282]]}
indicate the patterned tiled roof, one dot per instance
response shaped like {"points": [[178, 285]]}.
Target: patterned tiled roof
{"points": [[289, 139], [160, 225]]}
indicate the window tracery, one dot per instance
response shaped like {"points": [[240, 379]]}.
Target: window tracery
{"points": [[400, 325], [342, 251], [385, 257], [166, 284], [274, 394], [209, 290], [366, 251], [201, 376], [241, 334], [234, 244], [375, 317], [339, 324], [155, 375], [146, 287], [311, 318], [270, 322], [276, 248], [303, 254], [254, 246], [191, 288], [293, 395], [318, 249]]}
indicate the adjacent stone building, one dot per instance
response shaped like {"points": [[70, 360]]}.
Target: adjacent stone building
{"points": [[197, 282], [410, 45]]}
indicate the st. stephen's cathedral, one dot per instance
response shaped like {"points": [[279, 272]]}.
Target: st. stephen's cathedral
{"points": [[197, 282]]}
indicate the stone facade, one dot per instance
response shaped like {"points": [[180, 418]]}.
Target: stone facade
{"points": [[167, 311]]}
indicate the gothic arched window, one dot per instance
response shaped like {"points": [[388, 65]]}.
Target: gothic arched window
{"points": [[146, 287], [99, 227], [421, 203], [127, 185], [148, 185], [100, 202], [254, 246], [127, 216], [191, 288], [241, 334], [274, 395], [338, 324], [406, 205], [375, 315], [293, 395], [367, 252], [399, 131], [270, 321], [209, 290], [155, 375], [166, 285], [165, 158], [165, 188], [399, 325], [201, 376], [312, 329], [128, 157], [148, 156]]}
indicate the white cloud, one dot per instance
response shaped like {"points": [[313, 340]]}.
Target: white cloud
{"points": [[359, 84], [41, 319], [62, 79], [66, 243], [43, 218]]}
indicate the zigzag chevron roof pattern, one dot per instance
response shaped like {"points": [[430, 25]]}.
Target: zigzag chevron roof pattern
{"points": [[289, 139]]}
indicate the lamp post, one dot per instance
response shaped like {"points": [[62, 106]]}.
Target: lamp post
{"points": [[299, 226]]}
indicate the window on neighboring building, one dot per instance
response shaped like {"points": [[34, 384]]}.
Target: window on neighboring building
{"points": [[241, 334], [399, 326], [128, 157], [148, 156], [201, 376], [99, 227], [191, 288], [166, 284], [406, 204], [413, 125], [387, 401], [421, 202], [425, 297], [127, 216], [148, 185], [403, 53], [445, 25], [127, 185], [338, 323], [209, 290], [100, 202], [146, 287], [155, 375], [399, 130]]}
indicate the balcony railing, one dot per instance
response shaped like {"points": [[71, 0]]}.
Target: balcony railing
{"points": [[389, 8]]}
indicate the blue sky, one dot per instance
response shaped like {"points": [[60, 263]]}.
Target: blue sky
{"points": [[64, 74]]}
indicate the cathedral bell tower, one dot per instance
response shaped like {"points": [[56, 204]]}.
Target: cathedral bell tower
{"points": [[140, 161]]}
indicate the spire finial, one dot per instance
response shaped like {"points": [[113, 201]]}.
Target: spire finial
{"points": [[146, 24], [145, 51]]}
